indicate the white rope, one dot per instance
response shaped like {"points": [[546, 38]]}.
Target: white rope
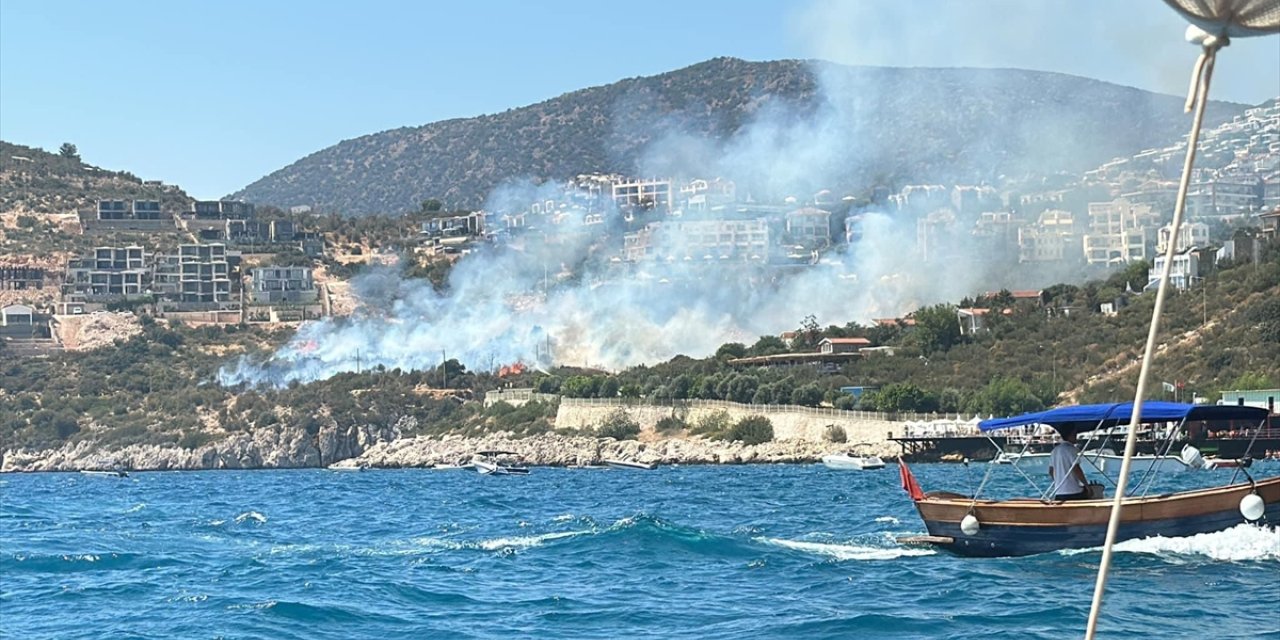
{"points": [[1199, 93]]}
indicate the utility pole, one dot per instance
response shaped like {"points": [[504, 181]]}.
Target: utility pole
{"points": [[357, 361], [444, 370]]}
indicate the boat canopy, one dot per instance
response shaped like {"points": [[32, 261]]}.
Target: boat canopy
{"points": [[1086, 417]]}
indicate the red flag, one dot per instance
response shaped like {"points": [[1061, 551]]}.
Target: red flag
{"points": [[909, 483]]}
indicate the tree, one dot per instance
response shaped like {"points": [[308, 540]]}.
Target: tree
{"points": [[937, 328], [808, 395], [68, 150], [432, 206], [767, 346], [731, 350]]}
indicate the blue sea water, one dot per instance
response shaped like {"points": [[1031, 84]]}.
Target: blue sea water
{"points": [[768, 551]]}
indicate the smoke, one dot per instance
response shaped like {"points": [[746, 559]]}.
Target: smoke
{"points": [[559, 293]]}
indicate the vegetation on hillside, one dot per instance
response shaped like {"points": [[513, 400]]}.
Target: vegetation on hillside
{"points": [[35, 180], [927, 124], [159, 387]]}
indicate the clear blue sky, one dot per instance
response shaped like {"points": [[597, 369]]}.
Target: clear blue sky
{"points": [[213, 95]]}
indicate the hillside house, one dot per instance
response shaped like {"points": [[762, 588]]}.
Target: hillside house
{"points": [[842, 345]]}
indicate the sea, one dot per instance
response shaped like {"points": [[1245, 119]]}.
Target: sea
{"points": [[754, 551]]}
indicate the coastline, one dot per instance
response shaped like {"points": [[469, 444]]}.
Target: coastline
{"points": [[294, 449]]}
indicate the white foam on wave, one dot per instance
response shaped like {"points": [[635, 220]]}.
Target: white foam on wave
{"points": [[136, 508], [848, 551], [496, 544], [1239, 543], [888, 519], [525, 542], [563, 517], [251, 515]]}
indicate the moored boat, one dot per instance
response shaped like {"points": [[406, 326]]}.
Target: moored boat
{"points": [[972, 525], [115, 473], [631, 464], [852, 460], [498, 463]]}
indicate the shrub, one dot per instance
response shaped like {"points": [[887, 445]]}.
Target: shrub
{"points": [[712, 424], [619, 425], [670, 425], [835, 433], [195, 439], [751, 430]]}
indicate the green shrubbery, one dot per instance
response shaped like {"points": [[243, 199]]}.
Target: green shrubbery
{"points": [[751, 430], [618, 425]]}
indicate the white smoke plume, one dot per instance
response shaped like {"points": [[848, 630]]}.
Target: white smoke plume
{"points": [[573, 301]]}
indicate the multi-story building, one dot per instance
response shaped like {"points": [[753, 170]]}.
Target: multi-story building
{"points": [[282, 285], [650, 194], [107, 274], [809, 226], [1119, 232], [936, 234], [699, 240], [18, 277], [222, 210], [1038, 244], [1185, 271], [1191, 234], [1224, 196], [204, 274]]}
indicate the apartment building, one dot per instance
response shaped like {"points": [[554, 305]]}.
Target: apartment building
{"points": [[282, 285]]}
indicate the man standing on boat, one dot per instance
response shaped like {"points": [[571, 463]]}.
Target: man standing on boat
{"points": [[1064, 470]]}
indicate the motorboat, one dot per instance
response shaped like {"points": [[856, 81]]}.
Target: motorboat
{"points": [[444, 466], [631, 464], [499, 463], [338, 466], [852, 460], [973, 525], [114, 473]]}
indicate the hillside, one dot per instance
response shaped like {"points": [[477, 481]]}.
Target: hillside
{"points": [[35, 181], [782, 125]]}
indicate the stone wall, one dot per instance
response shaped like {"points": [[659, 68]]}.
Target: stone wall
{"points": [[789, 423]]}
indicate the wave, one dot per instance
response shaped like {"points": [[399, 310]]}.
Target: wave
{"points": [[875, 549], [251, 515], [136, 508], [1243, 542], [78, 562]]}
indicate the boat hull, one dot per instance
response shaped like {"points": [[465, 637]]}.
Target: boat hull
{"points": [[1025, 527], [852, 463]]}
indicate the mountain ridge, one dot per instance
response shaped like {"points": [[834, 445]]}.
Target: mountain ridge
{"points": [[907, 124]]}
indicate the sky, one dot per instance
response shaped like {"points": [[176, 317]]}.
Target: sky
{"points": [[212, 96]]}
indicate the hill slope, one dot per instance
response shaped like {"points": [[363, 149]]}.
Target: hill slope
{"points": [[787, 125], [35, 181]]}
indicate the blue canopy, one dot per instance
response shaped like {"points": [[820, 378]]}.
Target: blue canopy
{"points": [[1092, 416]]}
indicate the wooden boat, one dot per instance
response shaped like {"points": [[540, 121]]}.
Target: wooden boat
{"points": [[972, 526]]}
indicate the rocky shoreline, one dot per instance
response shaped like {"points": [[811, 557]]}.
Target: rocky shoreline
{"points": [[291, 448]]}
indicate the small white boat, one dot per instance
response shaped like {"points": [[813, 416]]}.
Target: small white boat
{"points": [[629, 464], [346, 467], [451, 467], [117, 473], [852, 460], [498, 463]]}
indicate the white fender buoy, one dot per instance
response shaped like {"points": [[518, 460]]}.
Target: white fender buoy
{"points": [[1251, 507], [970, 525]]}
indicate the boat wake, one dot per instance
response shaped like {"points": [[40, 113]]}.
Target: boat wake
{"points": [[1243, 542], [880, 548]]}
